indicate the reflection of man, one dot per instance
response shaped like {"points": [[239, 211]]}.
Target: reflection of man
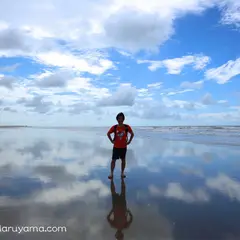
{"points": [[118, 216]]}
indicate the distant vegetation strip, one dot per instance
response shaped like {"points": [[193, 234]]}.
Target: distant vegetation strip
{"points": [[13, 126]]}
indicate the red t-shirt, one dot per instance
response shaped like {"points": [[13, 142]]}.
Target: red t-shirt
{"points": [[121, 136], [120, 217]]}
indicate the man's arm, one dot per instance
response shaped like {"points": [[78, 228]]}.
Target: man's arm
{"points": [[108, 216], [111, 130], [131, 134], [130, 220]]}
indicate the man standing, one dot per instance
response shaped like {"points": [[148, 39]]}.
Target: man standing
{"points": [[119, 142]]}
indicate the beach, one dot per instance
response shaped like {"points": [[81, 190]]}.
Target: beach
{"points": [[182, 183]]}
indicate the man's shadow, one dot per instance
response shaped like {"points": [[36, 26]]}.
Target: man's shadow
{"points": [[120, 217]]}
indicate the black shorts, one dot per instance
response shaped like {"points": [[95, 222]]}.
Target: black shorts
{"points": [[119, 153], [119, 200]]}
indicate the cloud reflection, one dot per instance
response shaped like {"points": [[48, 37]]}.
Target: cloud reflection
{"points": [[176, 191], [61, 181], [56, 174], [225, 185], [37, 150], [80, 153], [71, 192]]}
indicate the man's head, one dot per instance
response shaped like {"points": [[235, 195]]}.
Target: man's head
{"points": [[120, 118], [119, 235]]}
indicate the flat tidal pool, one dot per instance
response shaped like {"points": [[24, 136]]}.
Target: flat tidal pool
{"points": [[56, 180]]}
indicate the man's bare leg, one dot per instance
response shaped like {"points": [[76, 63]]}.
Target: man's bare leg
{"points": [[123, 167], [113, 190], [112, 168], [123, 188]]}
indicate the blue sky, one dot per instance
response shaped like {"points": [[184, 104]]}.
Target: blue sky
{"points": [[174, 63]]}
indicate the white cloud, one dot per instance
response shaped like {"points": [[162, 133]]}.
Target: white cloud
{"points": [[125, 54], [156, 85], [225, 72], [225, 185], [133, 29], [78, 83], [231, 14], [49, 53], [192, 85], [65, 91], [7, 82], [145, 94], [176, 111], [235, 107], [146, 26], [179, 92], [151, 109], [8, 109], [53, 80], [176, 65], [19, 42], [81, 107], [12, 39], [181, 104], [228, 116], [207, 99], [150, 91], [9, 68], [77, 41], [70, 61], [176, 191], [124, 96], [12, 95], [224, 102], [36, 104]]}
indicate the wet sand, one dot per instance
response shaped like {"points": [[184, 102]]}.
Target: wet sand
{"points": [[175, 189]]}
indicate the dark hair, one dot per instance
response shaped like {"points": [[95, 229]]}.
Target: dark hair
{"points": [[120, 115]]}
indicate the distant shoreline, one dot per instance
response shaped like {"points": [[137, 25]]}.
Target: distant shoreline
{"points": [[13, 126], [154, 127]]}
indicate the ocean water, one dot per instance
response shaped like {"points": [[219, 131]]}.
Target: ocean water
{"points": [[182, 183]]}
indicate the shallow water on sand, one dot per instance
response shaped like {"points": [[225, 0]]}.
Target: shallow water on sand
{"points": [[175, 190]]}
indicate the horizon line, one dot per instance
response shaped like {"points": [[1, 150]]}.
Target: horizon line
{"points": [[71, 126]]}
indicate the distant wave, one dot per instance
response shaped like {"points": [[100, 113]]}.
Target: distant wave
{"points": [[228, 135], [196, 128]]}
